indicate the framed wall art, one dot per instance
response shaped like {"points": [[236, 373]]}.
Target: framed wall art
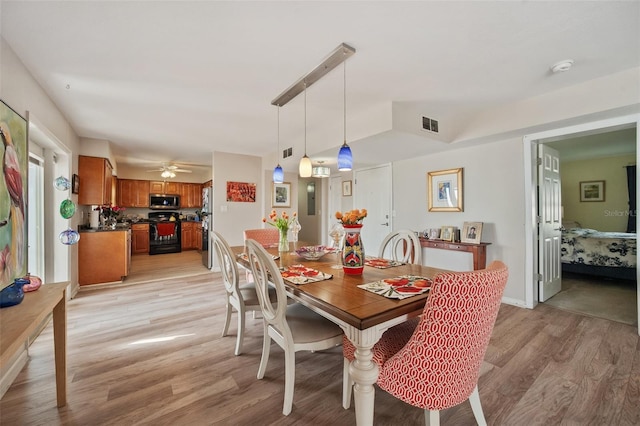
{"points": [[75, 184], [346, 188], [241, 192], [281, 194], [445, 190], [13, 202], [592, 190], [471, 232]]}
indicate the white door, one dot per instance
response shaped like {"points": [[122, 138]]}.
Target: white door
{"points": [[372, 191], [550, 236]]}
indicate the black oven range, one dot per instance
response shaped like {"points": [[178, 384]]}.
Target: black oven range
{"points": [[164, 232]]}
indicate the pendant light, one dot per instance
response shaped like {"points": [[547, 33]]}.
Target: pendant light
{"points": [[278, 173], [345, 159], [305, 162]]}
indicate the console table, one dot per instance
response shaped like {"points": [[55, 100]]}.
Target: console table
{"points": [[479, 250], [19, 322]]}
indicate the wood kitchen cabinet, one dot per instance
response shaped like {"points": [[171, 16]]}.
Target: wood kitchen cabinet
{"points": [[133, 193], [198, 236], [190, 235], [165, 187], [103, 256], [140, 238], [96, 181], [191, 195]]}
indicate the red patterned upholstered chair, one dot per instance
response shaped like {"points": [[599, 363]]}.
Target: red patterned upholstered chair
{"points": [[267, 237], [436, 365]]}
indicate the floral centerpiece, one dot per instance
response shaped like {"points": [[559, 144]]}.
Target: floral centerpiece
{"points": [[352, 248], [352, 217], [109, 213], [283, 222]]}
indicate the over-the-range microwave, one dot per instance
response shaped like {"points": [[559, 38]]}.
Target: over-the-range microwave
{"points": [[164, 201]]}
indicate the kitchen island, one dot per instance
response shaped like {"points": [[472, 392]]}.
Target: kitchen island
{"points": [[104, 255]]}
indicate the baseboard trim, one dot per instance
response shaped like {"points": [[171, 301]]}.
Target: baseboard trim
{"points": [[12, 372]]}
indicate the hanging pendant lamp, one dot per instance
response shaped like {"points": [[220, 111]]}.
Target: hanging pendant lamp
{"points": [[278, 173], [345, 159], [305, 166]]}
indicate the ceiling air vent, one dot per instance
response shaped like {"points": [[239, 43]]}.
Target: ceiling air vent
{"points": [[429, 124]]}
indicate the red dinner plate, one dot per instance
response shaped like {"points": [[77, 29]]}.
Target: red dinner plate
{"points": [[407, 289], [397, 282]]}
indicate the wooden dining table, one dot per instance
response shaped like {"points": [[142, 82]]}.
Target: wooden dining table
{"points": [[363, 315]]}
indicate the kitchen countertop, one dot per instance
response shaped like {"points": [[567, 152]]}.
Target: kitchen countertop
{"points": [[119, 227]]}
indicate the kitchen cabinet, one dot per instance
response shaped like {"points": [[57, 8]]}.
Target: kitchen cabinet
{"points": [[104, 256], [96, 181], [133, 193], [140, 238], [191, 195], [190, 235], [165, 187], [198, 236]]}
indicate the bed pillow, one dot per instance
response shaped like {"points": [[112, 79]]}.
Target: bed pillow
{"points": [[568, 224]]}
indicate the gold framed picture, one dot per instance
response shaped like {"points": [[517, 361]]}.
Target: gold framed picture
{"points": [[448, 233], [445, 190]]}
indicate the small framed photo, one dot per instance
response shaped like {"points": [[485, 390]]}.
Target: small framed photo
{"points": [[592, 190], [281, 195], [434, 233], [346, 188], [471, 232], [448, 233], [445, 190], [75, 184]]}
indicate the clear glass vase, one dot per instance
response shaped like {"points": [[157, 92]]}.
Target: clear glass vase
{"points": [[283, 241]]}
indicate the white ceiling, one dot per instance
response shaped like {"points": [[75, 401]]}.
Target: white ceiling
{"points": [[174, 81]]}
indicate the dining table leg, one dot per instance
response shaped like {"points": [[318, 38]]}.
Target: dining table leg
{"points": [[364, 373]]}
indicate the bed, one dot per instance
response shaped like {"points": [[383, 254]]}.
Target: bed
{"points": [[605, 254]]}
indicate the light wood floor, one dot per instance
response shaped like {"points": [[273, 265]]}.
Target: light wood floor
{"points": [[151, 353]]}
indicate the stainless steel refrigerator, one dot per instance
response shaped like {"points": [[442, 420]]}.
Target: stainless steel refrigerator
{"points": [[207, 251]]}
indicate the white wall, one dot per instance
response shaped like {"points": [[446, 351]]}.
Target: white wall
{"points": [[231, 218], [492, 194], [22, 92]]}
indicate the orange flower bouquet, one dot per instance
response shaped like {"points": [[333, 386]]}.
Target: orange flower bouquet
{"points": [[352, 217]]}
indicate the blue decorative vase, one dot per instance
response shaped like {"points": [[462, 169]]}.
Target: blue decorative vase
{"points": [[13, 294]]}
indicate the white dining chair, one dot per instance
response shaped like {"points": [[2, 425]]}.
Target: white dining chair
{"points": [[402, 246], [293, 327], [242, 298]]}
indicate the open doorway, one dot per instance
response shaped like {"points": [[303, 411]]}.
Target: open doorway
{"points": [[598, 244], [570, 136]]}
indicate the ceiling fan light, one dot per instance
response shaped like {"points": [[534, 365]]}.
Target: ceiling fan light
{"points": [[278, 174], [345, 160], [305, 167], [165, 174]]}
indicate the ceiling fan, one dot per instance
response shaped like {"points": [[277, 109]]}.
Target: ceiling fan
{"points": [[169, 170]]}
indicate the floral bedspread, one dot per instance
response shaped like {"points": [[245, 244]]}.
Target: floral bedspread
{"points": [[591, 247]]}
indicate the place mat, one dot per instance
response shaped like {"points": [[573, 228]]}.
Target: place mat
{"points": [[399, 287], [244, 257], [300, 274], [380, 263]]}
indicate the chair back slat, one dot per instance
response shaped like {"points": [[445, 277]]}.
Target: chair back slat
{"points": [[402, 246]]}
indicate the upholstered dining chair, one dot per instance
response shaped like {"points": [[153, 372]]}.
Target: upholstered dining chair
{"points": [[436, 365], [243, 298], [293, 327], [403, 246], [267, 237]]}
